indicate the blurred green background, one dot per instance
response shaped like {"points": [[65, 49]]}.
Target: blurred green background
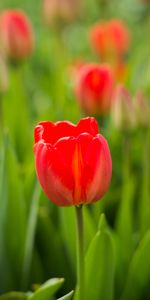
{"points": [[37, 239]]}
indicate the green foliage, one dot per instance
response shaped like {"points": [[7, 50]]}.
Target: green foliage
{"points": [[45, 291], [14, 296], [139, 271], [66, 297], [100, 265]]}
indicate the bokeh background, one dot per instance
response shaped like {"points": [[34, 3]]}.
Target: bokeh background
{"points": [[37, 239]]}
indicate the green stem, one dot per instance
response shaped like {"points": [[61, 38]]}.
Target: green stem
{"points": [[1, 117], [80, 251], [1, 111]]}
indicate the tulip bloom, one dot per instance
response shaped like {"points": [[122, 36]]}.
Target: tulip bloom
{"points": [[110, 39], [73, 162], [16, 34], [94, 87]]}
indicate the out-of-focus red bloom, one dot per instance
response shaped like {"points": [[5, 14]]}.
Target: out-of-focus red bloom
{"points": [[73, 162], [110, 39], [60, 10], [16, 34], [94, 87]]}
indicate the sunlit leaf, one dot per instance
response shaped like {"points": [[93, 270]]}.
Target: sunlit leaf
{"points": [[139, 272], [100, 265], [48, 289], [67, 297]]}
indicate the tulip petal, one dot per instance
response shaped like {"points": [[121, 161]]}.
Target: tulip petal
{"points": [[51, 132], [88, 125], [100, 168], [52, 174]]}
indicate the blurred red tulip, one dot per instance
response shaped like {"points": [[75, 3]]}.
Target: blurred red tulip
{"points": [[110, 39], [94, 87], [73, 162], [16, 34], [60, 10]]}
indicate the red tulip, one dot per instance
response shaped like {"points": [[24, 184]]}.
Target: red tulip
{"points": [[16, 34], [94, 87], [110, 39], [73, 162]]}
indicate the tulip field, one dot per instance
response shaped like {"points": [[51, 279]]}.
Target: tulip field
{"points": [[74, 150]]}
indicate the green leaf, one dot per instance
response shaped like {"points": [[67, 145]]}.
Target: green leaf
{"points": [[124, 222], [14, 296], [67, 297], [30, 234], [18, 122], [139, 272], [100, 265], [13, 223], [48, 289]]}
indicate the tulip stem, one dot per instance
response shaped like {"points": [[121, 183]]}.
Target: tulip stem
{"points": [[1, 115], [80, 251]]}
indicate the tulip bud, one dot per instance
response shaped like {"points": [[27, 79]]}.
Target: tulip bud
{"points": [[60, 11], [4, 80], [110, 39], [94, 87], [123, 114], [16, 34], [73, 162], [142, 109]]}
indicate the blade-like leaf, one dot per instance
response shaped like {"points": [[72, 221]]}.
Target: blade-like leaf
{"points": [[100, 265], [139, 272], [67, 297], [30, 234], [48, 289], [13, 222]]}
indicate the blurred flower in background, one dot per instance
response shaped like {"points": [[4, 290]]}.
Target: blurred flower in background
{"points": [[58, 11], [111, 41], [94, 87], [142, 109], [16, 34], [129, 112], [123, 113]]}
